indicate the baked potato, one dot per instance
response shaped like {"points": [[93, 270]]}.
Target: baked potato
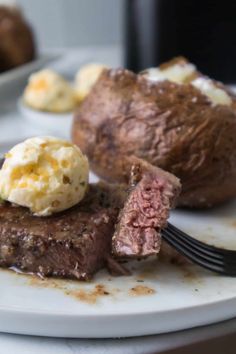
{"points": [[183, 127]]}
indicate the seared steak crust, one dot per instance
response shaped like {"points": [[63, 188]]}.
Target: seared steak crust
{"points": [[71, 244]]}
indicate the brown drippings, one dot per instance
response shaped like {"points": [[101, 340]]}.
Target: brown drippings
{"points": [[141, 290], [74, 288], [70, 288], [188, 275], [60, 284], [149, 270], [89, 296], [191, 276]]}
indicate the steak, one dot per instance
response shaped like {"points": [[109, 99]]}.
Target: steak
{"points": [[71, 244], [152, 194], [78, 242]]}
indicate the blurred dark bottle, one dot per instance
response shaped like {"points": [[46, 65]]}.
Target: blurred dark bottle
{"points": [[201, 30]]}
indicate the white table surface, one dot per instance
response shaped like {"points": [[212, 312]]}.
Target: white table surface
{"points": [[13, 128]]}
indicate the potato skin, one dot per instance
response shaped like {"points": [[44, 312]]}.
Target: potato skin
{"points": [[172, 126]]}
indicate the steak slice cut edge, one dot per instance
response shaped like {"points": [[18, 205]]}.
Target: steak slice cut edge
{"points": [[146, 210]]}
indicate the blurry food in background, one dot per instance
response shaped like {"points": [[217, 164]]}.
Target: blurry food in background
{"points": [[86, 78], [48, 102], [45, 174], [49, 92], [186, 127], [17, 45], [177, 70], [180, 71]]}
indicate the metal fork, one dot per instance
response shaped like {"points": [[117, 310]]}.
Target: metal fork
{"points": [[216, 259]]}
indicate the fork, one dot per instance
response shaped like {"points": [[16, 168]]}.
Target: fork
{"points": [[215, 259]]}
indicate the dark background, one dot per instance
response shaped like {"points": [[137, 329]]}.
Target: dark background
{"points": [[203, 31]]}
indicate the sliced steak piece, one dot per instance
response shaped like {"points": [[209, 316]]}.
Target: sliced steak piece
{"points": [[146, 210], [71, 244]]}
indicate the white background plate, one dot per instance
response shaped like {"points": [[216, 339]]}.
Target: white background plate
{"points": [[175, 297]]}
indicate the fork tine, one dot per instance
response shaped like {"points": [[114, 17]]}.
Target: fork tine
{"points": [[224, 262], [210, 248], [191, 249], [224, 265], [188, 242], [228, 256], [222, 269], [223, 259], [209, 256], [193, 240], [195, 259]]}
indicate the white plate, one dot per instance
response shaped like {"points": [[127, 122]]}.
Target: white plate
{"points": [[158, 297], [51, 122]]}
